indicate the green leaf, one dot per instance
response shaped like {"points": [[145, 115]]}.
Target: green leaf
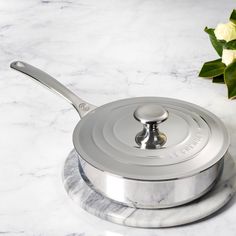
{"points": [[230, 79], [233, 16], [212, 68], [231, 45], [218, 79], [217, 44]]}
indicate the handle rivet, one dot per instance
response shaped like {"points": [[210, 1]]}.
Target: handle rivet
{"points": [[84, 106]]}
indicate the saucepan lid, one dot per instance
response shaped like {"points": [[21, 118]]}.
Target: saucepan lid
{"points": [[151, 138]]}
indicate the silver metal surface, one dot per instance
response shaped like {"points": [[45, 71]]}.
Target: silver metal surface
{"points": [[43, 78], [152, 194], [128, 159], [150, 115]]}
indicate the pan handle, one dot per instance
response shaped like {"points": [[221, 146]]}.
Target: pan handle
{"points": [[48, 81]]}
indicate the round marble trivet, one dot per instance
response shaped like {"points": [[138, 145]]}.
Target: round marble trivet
{"points": [[107, 209]]}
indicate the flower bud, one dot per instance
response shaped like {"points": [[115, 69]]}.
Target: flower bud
{"points": [[226, 32], [228, 56]]}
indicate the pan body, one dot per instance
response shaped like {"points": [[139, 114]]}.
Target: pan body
{"points": [[151, 194], [151, 152]]}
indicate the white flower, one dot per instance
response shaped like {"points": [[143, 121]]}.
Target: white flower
{"points": [[228, 56], [226, 31]]}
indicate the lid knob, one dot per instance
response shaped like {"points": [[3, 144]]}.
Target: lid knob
{"points": [[150, 115]]}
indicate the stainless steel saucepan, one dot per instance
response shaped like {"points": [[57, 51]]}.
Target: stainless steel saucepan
{"points": [[144, 152]]}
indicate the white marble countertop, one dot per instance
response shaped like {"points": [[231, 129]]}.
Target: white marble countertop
{"points": [[103, 50]]}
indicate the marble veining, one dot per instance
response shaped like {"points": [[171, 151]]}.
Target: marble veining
{"points": [[103, 50]]}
